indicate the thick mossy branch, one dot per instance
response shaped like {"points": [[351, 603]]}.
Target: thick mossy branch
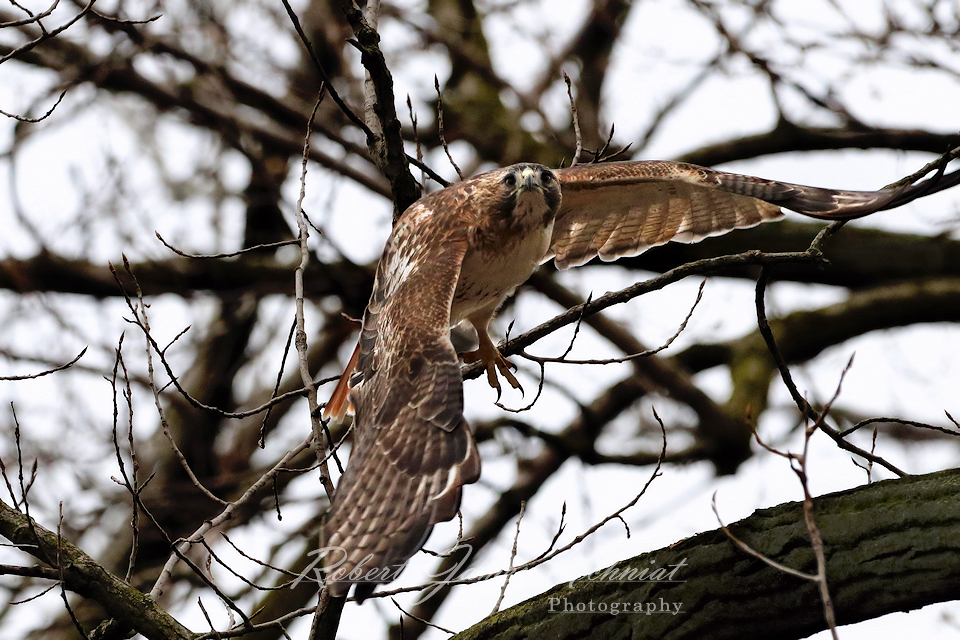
{"points": [[84, 576], [890, 546]]}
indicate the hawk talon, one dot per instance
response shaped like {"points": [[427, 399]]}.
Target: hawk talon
{"points": [[493, 361]]}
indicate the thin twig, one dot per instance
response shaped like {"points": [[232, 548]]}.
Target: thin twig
{"points": [[806, 409], [217, 256], [909, 423], [443, 139], [266, 565], [39, 595], [24, 487], [601, 155], [63, 589], [239, 576], [420, 620], [753, 552], [576, 120], [46, 35], [416, 137], [43, 117], [301, 333], [224, 515], [32, 17], [6, 480], [48, 372], [541, 381], [276, 385], [174, 379], [203, 609], [513, 556], [699, 267], [143, 321], [128, 483], [633, 356], [354, 118]]}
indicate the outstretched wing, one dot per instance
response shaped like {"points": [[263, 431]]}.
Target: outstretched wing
{"points": [[412, 449], [622, 209]]}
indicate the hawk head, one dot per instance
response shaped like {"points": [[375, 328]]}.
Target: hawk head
{"points": [[529, 195]]}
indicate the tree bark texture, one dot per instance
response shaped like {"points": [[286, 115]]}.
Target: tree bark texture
{"points": [[890, 546]]}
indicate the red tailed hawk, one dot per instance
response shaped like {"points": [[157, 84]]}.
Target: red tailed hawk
{"points": [[456, 255]]}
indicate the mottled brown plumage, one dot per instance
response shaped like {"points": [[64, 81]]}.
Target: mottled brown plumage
{"points": [[453, 255], [456, 255]]}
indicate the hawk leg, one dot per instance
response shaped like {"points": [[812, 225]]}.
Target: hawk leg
{"points": [[489, 355]]}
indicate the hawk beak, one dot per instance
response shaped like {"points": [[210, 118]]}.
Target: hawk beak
{"points": [[528, 180]]}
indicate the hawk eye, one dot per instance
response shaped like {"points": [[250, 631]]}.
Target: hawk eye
{"points": [[546, 176], [510, 180]]}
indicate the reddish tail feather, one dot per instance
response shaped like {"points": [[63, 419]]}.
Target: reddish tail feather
{"points": [[338, 405]]}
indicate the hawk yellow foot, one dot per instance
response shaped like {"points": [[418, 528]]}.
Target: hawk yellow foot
{"points": [[493, 361]]}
